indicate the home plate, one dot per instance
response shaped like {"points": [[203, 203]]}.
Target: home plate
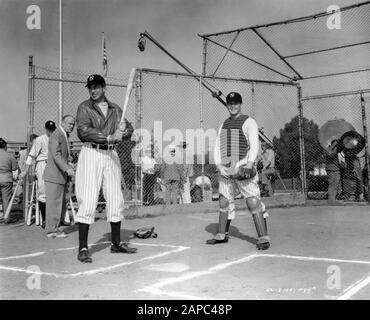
{"points": [[167, 267]]}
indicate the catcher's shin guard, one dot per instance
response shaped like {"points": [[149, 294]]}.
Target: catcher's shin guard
{"points": [[257, 209]]}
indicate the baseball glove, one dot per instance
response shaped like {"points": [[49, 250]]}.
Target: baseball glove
{"points": [[144, 233], [244, 173]]}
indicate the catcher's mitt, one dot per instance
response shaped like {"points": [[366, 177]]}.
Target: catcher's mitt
{"points": [[244, 173], [144, 233]]}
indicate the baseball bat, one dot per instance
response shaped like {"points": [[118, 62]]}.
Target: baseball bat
{"points": [[130, 85], [29, 215], [9, 208], [37, 213], [72, 208]]}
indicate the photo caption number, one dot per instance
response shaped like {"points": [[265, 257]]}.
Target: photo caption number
{"points": [[196, 309]]}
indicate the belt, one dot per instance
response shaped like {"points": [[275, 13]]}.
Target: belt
{"points": [[103, 146]]}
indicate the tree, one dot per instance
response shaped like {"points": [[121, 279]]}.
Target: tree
{"points": [[287, 147]]}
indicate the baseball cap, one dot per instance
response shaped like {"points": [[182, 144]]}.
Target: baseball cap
{"points": [[95, 79], [234, 97], [50, 125]]}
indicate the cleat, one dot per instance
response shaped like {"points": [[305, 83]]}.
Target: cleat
{"points": [[122, 248], [84, 256], [263, 243], [217, 239]]}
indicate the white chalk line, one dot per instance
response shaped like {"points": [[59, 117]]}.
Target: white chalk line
{"points": [[354, 288], [95, 271], [310, 258], [156, 288], [35, 254]]}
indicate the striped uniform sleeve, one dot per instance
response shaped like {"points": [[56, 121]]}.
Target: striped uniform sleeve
{"points": [[250, 130], [217, 151], [34, 152]]}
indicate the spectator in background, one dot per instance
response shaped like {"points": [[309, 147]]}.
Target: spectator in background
{"points": [[199, 184], [334, 163], [353, 186], [172, 175], [268, 166], [188, 172], [23, 154], [149, 178], [8, 165]]}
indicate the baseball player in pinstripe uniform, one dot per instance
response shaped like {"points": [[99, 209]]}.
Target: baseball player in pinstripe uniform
{"points": [[99, 165], [235, 155], [39, 154]]}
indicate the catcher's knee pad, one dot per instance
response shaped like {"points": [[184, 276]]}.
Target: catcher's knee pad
{"points": [[254, 205]]}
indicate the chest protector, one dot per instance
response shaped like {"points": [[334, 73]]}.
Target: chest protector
{"points": [[233, 143]]}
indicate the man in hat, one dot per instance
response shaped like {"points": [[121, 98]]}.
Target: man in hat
{"points": [[39, 154], [8, 165], [99, 128], [235, 156]]}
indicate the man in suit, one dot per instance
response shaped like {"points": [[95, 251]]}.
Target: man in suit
{"points": [[56, 175]]}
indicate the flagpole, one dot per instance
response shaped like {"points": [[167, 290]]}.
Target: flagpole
{"points": [[102, 51], [60, 113]]}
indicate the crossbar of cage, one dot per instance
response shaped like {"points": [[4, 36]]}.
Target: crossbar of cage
{"points": [[251, 59], [284, 22], [76, 81], [326, 49], [336, 94], [246, 80]]}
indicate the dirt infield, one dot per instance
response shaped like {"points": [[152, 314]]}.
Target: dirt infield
{"points": [[316, 253]]}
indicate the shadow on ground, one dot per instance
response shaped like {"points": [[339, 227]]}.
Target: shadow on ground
{"points": [[233, 232]]}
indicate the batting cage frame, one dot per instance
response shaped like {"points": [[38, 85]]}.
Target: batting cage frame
{"points": [[158, 93], [331, 68], [282, 81]]}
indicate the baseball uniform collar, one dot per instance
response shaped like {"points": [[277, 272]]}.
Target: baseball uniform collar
{"points": [[95, 104]]}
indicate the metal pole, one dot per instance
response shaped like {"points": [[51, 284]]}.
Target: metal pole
{"points": [[139, 172], [30, 111], [364, 125], [301, 140], [202, 133], [60, 113]]}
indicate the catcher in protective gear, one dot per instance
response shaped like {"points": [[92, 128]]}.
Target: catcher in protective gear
{"points": [[235, 155]]}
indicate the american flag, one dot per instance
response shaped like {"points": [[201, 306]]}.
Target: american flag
{"points": [[105, 58]]}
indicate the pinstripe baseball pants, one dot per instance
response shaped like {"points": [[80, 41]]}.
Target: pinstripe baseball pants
{"points": [[230, 187], [94, 169], [39, 170]]}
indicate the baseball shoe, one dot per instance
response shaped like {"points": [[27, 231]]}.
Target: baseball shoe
{"points": [[65, 224], [219, 238], [263, 243], [122, 248], [84, 256]]}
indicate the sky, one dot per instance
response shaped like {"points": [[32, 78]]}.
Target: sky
{"points": [[174, 23]]}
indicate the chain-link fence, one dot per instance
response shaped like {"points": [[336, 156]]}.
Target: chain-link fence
{"points": [[332, 67], [176, 108], [340, 176], [171, 110], [44, 105]]}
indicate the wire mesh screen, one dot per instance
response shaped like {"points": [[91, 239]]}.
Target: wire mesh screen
{"points": [[177, 108], [329, 50], [334, 177]]}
